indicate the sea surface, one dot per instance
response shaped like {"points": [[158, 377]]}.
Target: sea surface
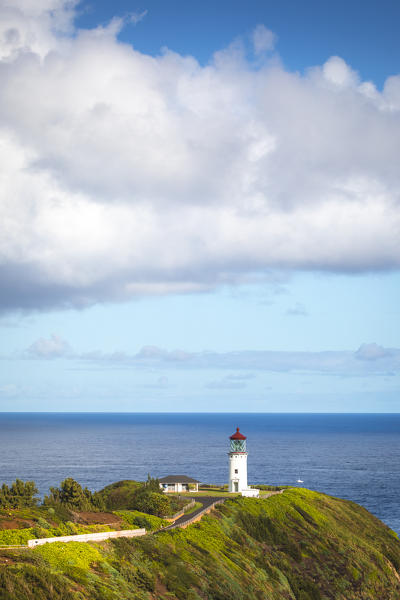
{"points": [[353, 456]]}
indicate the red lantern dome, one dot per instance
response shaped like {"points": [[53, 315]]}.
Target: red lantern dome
{"points": [[237, 435]]}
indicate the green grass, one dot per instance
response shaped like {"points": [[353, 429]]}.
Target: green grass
{"points": [[195, 507], [270, 488], [210, 492], [12, 537], [15, 537], [64, 556], [136, 520]]}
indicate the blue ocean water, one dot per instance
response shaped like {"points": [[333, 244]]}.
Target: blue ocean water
{"points": [[353, 456]]}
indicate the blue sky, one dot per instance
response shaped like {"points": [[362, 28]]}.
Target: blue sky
{"points": [[200, 208]]}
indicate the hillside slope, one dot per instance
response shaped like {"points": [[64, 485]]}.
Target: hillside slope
{"points": [[297, 545]]}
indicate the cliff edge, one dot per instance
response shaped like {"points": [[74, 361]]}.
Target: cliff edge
{"points": [[299, 545]]}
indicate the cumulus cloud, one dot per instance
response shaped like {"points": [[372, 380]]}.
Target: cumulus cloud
{"points": [[336, 71], [125, 174], [53, 347], [264, 40], [373, 352], [35, 27]]}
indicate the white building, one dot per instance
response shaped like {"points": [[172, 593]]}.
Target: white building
{"points": [[238, 466], [178, 483]]}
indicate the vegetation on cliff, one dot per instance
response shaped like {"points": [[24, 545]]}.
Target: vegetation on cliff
{"points": [[297, 545], [146, 497], [70, 496]]}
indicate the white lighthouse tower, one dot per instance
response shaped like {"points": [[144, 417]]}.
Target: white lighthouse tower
{"points": [[238, 466]]}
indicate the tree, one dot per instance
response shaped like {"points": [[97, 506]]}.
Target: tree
{"points": [[151, 503], [19, 495], [153, 485], [149, 498], [71, 495]]}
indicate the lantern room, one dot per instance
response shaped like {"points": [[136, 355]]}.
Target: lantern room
{"points": [[238, 442]]}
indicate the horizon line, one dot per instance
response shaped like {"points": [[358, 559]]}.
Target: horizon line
{"points": [[109, 412]]}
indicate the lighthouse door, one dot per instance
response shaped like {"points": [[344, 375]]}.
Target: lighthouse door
{"points": [[235, 486]]}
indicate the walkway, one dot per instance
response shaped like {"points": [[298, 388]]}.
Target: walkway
{"points": [[205, 501]]}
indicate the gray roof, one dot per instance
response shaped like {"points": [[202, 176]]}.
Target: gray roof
{"points": [[178, 479]]}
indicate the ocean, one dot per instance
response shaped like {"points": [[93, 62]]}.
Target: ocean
{"points": [[353, 456]]}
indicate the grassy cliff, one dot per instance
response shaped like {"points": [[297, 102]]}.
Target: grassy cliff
{"points": [[297, 545]]}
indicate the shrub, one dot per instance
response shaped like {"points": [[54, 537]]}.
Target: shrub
{"points": [[16, 537], [63, 557], [145, 497], [151, 502], [43, 523], [303, 588], [268, 488], [119, 495], [142, 523], [141, 520]]}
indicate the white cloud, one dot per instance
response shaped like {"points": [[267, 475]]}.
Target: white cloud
{"points": [[373, 352], [136, 17], [125, 174], [339, 73], [264, 40], [53, 347], [33, 26]]}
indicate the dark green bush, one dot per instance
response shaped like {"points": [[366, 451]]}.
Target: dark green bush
{"points": [[119, 495], [19, 495], [71, 495], [142, 523]]}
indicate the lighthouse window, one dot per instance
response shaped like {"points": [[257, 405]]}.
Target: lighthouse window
{"points": [[236, 470]]}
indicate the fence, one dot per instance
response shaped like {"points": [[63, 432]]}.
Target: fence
{"points": [[198, 515], [181, 512], [88, 537]]}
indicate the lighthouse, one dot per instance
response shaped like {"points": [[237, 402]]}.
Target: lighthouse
{"points": [[238, 465], [237, 462]]}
